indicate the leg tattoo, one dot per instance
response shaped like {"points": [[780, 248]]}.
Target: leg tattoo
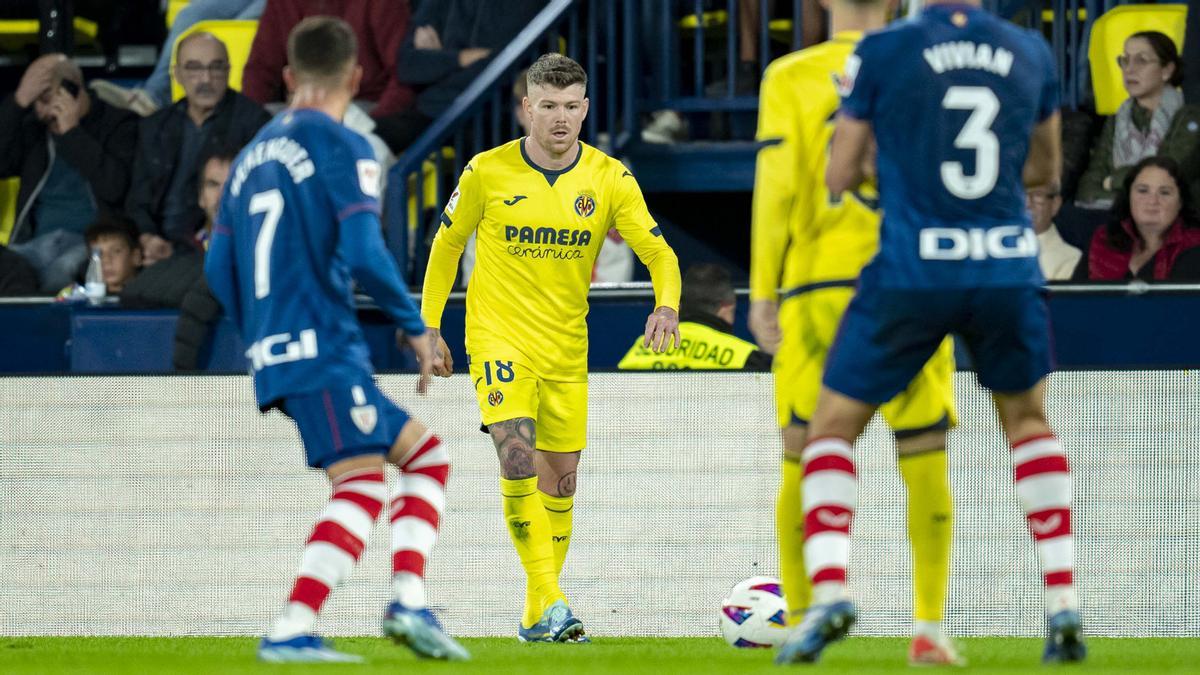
{"points": [[514, 441]]}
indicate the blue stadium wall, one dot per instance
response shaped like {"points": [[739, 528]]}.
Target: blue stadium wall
{"points": [[1094, 329]]}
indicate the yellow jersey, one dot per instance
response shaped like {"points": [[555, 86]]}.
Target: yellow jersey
{"points": [[800, 238], [706, 343], [538, 235]]}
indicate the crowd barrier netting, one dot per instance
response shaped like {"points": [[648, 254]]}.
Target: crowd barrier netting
{"points": [[169, 506]]}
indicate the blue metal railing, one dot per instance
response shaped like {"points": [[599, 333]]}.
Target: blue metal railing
{"points": [[636, 54], [483, 115]]}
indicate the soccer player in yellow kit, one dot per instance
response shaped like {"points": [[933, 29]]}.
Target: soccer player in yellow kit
{"points": [[806, 253], [541, 207]]}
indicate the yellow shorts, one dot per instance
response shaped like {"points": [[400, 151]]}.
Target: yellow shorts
{"points": [[509, 390], [809, 323]]}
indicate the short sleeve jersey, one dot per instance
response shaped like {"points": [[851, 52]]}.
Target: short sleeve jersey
{"points": [[952, 97], [538, 233], [287, 197]]}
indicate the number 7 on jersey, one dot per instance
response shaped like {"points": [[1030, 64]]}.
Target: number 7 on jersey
{"points": [[271, 204]]}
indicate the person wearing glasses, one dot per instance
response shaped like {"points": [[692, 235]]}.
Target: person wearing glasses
{"points": [[162, 197], [1152, 121], [1056, 257]]}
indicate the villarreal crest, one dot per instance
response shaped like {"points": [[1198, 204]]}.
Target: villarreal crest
{"points": [[585, 205]]}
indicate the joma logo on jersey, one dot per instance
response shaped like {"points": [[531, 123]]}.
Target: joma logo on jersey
{"points": [[585, 205], [977, 243], [547, 235]]}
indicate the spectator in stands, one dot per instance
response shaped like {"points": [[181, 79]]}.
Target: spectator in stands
{"points": [[155, 93], [120, 253], [1152, 121], [162, 201], [198, 310], [1056, 257], [448, 47], [706, 312], [1155, 232], [380, 26], [73, 155], [170, 281]]}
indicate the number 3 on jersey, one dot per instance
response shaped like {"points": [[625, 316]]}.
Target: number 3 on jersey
{"points": [[271, 204], [975, 135]]}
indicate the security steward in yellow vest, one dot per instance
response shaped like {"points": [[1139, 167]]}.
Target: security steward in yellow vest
{"points": [[706, 312]]}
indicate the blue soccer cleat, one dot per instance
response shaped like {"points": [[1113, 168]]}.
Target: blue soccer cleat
{"points": [[557, 624], [302, 649], [821, 626], [1064, 639], [420, 631]]}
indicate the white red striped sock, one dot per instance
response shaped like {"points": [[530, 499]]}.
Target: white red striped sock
{"points": [[829, 495], [1043, 483], [337, 541], [415, 514]]}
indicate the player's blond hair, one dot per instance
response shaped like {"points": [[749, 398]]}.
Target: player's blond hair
{"points": [[555, 70], [322, 48]]}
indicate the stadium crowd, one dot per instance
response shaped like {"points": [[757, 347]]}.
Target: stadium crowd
{"points": [[99, 162]]}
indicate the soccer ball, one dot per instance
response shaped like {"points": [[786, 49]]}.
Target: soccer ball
{"points": [[755, 614]]}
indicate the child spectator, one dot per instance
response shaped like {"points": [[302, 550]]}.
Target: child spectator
{"points": [[120, 254]]}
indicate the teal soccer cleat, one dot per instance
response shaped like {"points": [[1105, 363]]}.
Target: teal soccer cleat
{"points": [[822, 625], [302, 649], [557, 624], [1064, 639], [420, 631]]}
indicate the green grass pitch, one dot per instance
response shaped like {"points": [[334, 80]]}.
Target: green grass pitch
{"points": [[623, 656]]}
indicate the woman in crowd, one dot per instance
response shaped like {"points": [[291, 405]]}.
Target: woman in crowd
{"points": [[1152, 121], [1155, 231]]}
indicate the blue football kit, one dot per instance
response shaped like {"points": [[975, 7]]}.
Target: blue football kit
{"points": [[299, 221], [952, 97]]}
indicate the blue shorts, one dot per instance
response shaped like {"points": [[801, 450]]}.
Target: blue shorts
{"points": [[887, 335], [343, 422]]}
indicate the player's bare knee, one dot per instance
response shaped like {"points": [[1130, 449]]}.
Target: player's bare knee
{"points": [[557, 472], [406, 441], [795, 436], [515, 443], [921, 443], [1023, 414], [345, 467]]}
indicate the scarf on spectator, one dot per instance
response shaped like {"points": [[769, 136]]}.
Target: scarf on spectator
{"points": [[1108, 263], [1130, 144]]}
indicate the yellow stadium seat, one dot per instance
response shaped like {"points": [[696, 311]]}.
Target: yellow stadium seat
{"points": [[429, 186], [17, 34], [237, 36], [8, 206], [173, 8], [707, 20], [1109, 33]]}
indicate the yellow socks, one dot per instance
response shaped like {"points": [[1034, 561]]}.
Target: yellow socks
{"points": [[559, 511], [930, 528], [789, 526], [529, 528]]}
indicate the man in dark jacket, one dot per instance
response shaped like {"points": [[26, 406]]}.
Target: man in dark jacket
{"points": [[73, 155], [162, 200], [448, 47]]}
